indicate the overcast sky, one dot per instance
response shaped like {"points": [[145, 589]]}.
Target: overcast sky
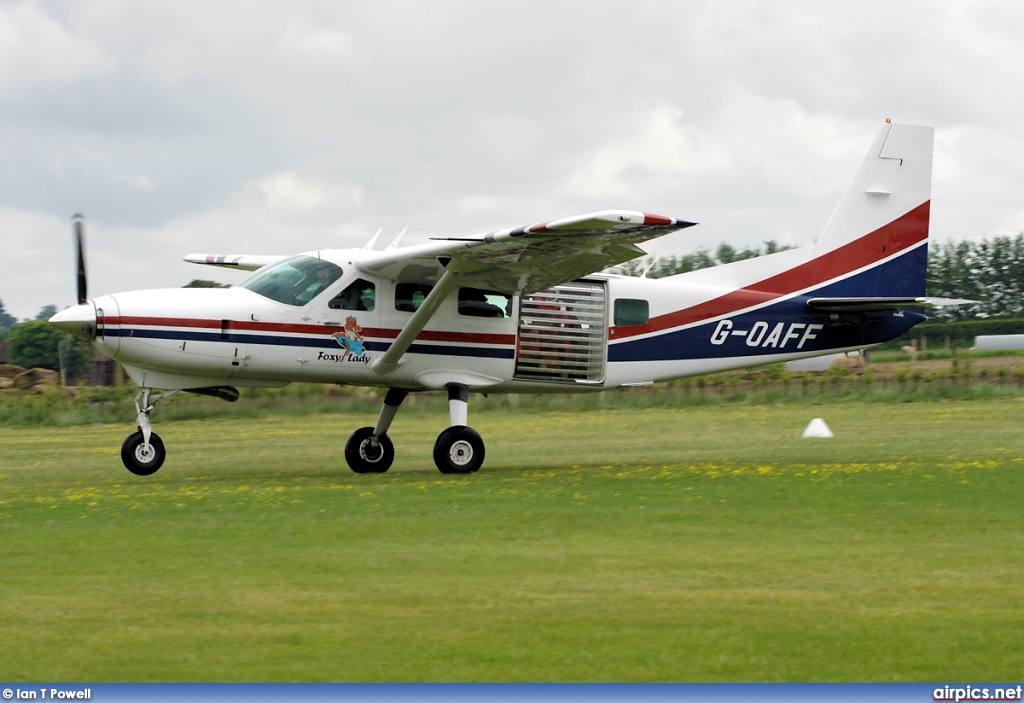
{"points": [[272, 128]]}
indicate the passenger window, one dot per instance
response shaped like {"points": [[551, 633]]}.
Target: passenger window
{"points": [[409, 296], [484, 303], [630, 311], [360, 294]]}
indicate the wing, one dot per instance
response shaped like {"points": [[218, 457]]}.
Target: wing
{"points": [[528, 259], [243, 262]]}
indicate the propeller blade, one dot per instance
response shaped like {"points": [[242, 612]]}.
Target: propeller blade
{"points": [[78, 224]]}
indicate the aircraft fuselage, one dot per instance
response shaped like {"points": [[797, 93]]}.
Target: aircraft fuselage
{"points": [[602, 332]]}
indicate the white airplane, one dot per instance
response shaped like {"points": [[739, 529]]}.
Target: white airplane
{"points": [[524, 310]]}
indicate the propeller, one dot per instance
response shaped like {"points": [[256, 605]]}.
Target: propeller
{"points": [[79, 320], [78, 225]]}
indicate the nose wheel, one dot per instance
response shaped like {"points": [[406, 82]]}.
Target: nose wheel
{"points": [[142, 452], [140, 457]]}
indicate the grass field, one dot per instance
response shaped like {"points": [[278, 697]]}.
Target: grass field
{"points": [[685, 544]]}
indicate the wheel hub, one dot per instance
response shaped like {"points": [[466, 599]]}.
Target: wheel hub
{"points": [[371, 451], [145, 453], [461, 453]]}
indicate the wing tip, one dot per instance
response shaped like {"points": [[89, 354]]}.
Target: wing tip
{"points": [[663, 221]]}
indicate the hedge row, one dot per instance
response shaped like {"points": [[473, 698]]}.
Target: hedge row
{"points": [[962, 332]]}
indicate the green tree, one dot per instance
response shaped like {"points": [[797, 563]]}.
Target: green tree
{"points": [[726, 254], [7, 321], [700, 259], [990, 271], [46, 312], [203, 283], [36, 344]]}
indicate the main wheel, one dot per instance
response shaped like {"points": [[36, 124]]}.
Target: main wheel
{"points": [[142, 459], [364, 457], [459, 450]]}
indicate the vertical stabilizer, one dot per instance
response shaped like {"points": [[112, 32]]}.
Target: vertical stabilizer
{"points": [[883, 215]]}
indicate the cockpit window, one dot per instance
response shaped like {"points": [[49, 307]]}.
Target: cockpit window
{"points": [[294, 281]]}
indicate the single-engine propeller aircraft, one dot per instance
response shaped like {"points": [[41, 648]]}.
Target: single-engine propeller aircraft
{"points": [[523, 310]]}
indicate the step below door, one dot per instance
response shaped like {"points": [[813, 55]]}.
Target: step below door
{"points": [[563, 334]]}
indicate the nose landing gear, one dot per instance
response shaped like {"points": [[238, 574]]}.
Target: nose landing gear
{"points": [[143, 451], [140, 457]]}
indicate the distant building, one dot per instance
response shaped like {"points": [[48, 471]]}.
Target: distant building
{"points": [[998, 342], [102, 371]]}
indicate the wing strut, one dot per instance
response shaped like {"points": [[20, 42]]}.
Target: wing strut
{"points": [[389, 361]]}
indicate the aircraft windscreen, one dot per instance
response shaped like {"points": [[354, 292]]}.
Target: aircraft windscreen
{"points": [[295, 281]]}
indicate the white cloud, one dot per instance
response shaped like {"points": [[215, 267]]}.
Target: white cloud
{"points": [[38, 54], [287, 191]]}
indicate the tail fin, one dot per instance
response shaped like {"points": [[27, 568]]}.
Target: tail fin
{"points": [[882, 219]]}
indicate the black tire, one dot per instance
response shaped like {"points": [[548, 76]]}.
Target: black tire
{"points": [[459, 450], [363, 457], [137, 459]]}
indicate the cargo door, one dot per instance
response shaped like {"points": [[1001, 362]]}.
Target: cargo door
{"points": [[563, 334]]}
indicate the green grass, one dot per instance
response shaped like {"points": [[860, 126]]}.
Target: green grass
{"points": [[684, 544]]}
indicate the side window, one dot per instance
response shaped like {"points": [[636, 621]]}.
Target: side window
{"points": [[360, 294], [484, 303], [409, 296], [631, 311]]}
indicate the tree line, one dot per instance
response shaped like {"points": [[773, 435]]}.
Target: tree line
{"points": [[990, 271], [659, 267]]}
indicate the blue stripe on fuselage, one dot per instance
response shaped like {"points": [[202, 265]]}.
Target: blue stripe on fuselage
{"points": [[781, 327]]}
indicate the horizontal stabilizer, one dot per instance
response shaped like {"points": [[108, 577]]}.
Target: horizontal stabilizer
{"points": [[867, 304], [242, 262]]}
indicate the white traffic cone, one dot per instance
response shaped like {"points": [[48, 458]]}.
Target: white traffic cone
{"points": [[817, 428]]}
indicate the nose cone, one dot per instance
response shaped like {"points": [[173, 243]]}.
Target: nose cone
{"points": [[79, 320]]}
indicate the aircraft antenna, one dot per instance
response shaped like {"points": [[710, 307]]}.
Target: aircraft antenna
{"points": [[373, 239], [397, 239], [653, 263]]}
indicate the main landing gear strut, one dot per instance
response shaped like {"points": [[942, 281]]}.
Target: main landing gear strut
{"points": [[143, 451], [458, 450]]}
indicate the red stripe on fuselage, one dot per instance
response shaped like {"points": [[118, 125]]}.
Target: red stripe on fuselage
{"points": [[247, 326], [900, 234], [163, 321]]}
